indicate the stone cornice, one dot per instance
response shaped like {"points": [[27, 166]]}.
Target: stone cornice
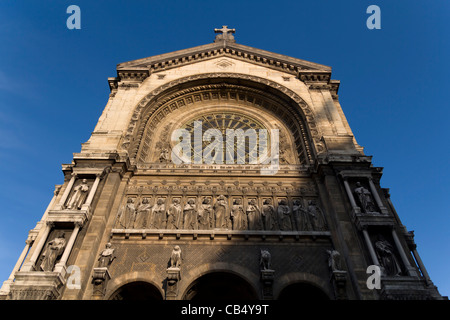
{"points": [[138, 70]]}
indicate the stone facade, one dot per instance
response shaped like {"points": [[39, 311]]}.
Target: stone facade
{"points": [[130, 223]]}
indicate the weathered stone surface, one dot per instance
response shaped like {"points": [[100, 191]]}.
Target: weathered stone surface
{"points": [[124, 189]]}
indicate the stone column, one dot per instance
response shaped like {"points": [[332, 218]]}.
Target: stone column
{"points": [[66, 193], [30, 266], [422, 266], [377, 197], [355, 207], [370, 247], [61, 265], [6, 284], [410, 269], [89, 199]]}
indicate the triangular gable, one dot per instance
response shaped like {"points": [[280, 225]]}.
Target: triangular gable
{"points": [[214, 50]]}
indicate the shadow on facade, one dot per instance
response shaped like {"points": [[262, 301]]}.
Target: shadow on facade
{"points": [[138, 290], [220, 286], [302, 291]]}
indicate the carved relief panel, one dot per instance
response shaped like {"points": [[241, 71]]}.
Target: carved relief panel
{"points": [[220, 205]]}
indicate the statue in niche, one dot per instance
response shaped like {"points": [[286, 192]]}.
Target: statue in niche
{"points": [[238, 216], [190, 215], [299, 215], [106, 256], [315, 217], [158, 220], [142, 214], [334, 260], [365, 199], [205, 215], [269, 216], [284, 216], [386, 257], [52, 251], [266, 260], [254, 216], [175, 257], [78, 196], [174, 216], [127, 215], [220, 212], [164, 156]]}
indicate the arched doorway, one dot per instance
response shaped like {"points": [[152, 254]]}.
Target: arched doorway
{"points": [[220, 286], [302, 291], [138, 290]]}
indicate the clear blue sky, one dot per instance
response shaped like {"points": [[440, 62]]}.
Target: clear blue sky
{"points": [[394, 88]]}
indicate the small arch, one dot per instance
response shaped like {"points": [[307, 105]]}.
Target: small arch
{"points": [[220, 286], [297, 283], [146, 279], [301, 291], [218, 267], [137, 290]]}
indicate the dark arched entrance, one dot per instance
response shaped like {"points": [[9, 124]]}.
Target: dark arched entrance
{"points": [[302, 291], [220, 286], [138, 290]]}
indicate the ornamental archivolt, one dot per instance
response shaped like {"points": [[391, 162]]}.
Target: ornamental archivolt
{"points": [[156, 105], [225, 120], [219, 100]]}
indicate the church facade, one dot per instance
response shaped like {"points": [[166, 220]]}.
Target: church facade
{"points": [[220, 172]]}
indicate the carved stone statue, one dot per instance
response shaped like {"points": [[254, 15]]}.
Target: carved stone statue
{"points": [[266, 260], [52, 251], [220, 212], [284, 216], [174, 216], [254, 216], [164, 156], [316, 217], [238, 216], [334, 260], [78, 196], [175, 257], [205, 215], [142, 214], [127, 215], [190, 215], [269, 215], [158, 220], [299, 215], [106, 256], [386, 257], [365, 199]]}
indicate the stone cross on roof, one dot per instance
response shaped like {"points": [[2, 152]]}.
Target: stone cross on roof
{"points": [[225, 34]]}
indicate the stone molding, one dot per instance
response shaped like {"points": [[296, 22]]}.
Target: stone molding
{"points": [[154, 102], [36, 285], [229, 49]]}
